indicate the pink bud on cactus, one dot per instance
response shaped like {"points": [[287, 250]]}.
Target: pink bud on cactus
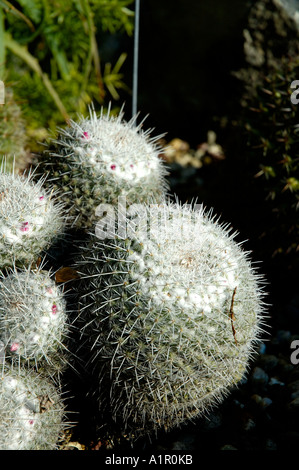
{"points": [[24, 227], [14, 347], [54, 309]]}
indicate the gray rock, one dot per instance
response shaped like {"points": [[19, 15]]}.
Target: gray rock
{"points": [[259, 378]]}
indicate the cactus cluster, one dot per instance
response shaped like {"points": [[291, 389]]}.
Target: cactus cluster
{"points": [[98, 159], [169, 306], [31, 411], [172, 315]]}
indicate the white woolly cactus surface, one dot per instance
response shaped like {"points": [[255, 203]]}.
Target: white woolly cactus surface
{"points": [[172, 314], [29, 219], [33, 320], [100, 158], [31, 411]]}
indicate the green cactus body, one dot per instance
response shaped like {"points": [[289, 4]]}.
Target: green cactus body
{"points": [[31, 411], [99, 159], [29, 219], [33, 320], [172, 313]]}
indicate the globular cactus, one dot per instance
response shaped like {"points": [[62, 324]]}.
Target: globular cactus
{"points": [[32, 412], [34, 323], [99, 159], [171, 313], [30, 220]]}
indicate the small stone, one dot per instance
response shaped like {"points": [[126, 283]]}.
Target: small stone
{"points": [[275, 381], [282, 336], [187, 442], [228, 447], [259, 377], [294, 404], [250, 424], [263, 402], [266, 402], [262, 348], [268, 362], [270, 445], [293, 387], [213, 421]]}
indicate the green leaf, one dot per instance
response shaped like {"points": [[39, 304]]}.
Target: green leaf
{"points": [[14, 11], [23, 53]]}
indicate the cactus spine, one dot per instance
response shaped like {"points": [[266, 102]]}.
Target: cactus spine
{"points": [[171, 313]]}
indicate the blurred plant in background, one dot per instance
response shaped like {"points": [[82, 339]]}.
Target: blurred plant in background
{"points": [[273, 138], [13, 136], [52, 52], [268, 122]]}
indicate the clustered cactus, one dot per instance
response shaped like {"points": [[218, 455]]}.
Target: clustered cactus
{"points": [[98, 159], [34, 323], [169, 306], [172, 315]]}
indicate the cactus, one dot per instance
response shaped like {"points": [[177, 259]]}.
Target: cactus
{"points": [[171, 314], [99, 159], [33, 320], [29, 219], [31, 411]]}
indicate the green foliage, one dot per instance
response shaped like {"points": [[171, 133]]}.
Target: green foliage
{"points": [[271, 125], [12, 133], [54, 58]]}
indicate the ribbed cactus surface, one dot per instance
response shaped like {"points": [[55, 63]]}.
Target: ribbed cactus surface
{"points": [[171, 313]]}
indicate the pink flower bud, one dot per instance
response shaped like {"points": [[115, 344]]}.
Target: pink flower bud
{"points": [[54, 309], [24, 227], [14, 347]]}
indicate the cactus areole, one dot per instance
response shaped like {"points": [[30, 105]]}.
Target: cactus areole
{"points": [[172, 315]]}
